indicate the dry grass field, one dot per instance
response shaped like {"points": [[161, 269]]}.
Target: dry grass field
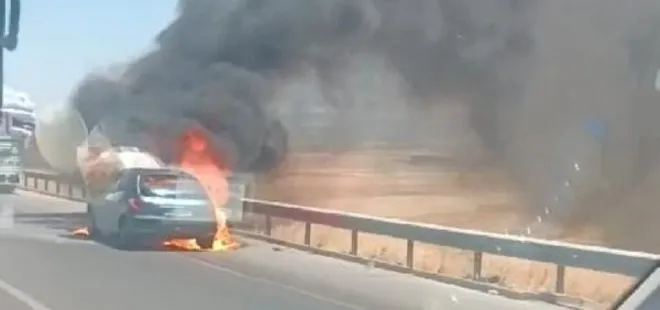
{"points": [[398, 186]]}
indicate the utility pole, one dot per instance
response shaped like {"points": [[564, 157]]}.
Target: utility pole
{"points": [[8, 37]]}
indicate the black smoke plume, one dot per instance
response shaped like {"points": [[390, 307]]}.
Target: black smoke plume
{"points": [[220, 62], [534, 75]]}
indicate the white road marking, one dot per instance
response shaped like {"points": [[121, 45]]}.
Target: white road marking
{"points": [[276, 284], [22, 296]]}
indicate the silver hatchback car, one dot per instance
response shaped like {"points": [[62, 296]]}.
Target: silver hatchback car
{"points": [[152, 205]]}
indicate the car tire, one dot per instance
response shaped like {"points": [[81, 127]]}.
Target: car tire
{"points": [[206, 243]]}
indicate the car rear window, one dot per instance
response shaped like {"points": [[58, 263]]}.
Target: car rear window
{"points": [[170, 186]]}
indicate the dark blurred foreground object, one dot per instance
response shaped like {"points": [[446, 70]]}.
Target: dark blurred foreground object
{"points": [[643, 295], [9, 39]]}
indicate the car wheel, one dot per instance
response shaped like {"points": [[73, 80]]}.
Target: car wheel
{"points": [[205, 243]]}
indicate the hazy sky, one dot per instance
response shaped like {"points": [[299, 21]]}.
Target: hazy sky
{"points": [[61, 40]]}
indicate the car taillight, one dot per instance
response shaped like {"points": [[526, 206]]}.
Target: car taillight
{"points": [[134, 205]]}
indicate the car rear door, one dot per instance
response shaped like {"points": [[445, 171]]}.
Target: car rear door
{"points": [[117, 201], [114, 202], [101, 209]]}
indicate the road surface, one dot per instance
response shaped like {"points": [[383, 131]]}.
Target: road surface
{"points": [[42, 267]]}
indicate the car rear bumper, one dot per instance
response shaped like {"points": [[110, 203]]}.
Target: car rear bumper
{"points": [[156, 229]]}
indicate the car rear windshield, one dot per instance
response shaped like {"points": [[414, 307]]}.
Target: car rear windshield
{"points": [[171, 186]]}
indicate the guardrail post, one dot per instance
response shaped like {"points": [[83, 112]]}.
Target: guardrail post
{"points": [[559, 279], [308, 233], [354, 242], [476, 267], [410, 251], [268, 225]]}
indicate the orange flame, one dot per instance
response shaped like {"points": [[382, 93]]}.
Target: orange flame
{"points": [[197, 159], [82, 232]]}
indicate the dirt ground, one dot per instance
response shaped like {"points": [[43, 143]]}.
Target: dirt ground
{"points": [[397, 185]]}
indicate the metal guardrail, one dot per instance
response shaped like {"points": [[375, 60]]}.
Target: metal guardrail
{"points": [[561, 254], [52, 184]]}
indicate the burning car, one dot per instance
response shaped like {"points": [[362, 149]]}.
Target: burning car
{"points": [[117, 158], [152, 205]]}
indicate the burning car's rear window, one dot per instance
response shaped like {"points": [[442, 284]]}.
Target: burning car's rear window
{"points": [[170, 185]]}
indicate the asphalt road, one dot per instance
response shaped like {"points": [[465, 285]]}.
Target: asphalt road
{"points": [[43, 268]]}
